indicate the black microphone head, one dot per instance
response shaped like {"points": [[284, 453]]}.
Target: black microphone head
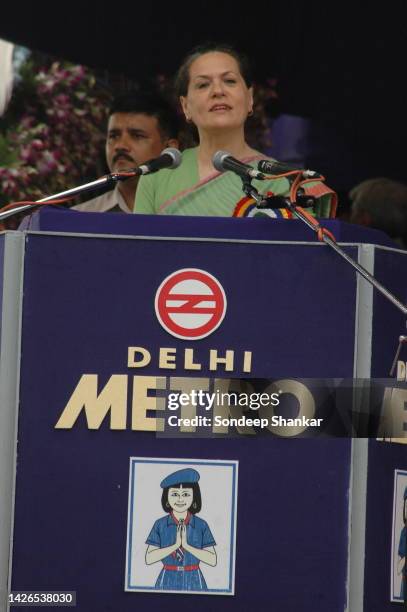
{"points": [[218, 160], [264, 165], [175, 155]]}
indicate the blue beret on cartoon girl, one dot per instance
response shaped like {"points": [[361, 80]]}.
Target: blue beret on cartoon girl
{"points": [[180, 539], [187, 475]]}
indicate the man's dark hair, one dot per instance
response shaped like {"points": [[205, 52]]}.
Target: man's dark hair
{"points": [[182, 77], [383, 202], [196, 496], [152, 104]]}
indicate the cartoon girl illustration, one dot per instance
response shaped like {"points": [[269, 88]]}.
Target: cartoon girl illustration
{"points": [[402, 550], [180, 539]]}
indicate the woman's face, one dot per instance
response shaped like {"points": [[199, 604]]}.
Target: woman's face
{"points": [[180, 499], [217, 97]]}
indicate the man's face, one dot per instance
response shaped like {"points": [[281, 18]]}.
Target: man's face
{"points": [[132, 138]]}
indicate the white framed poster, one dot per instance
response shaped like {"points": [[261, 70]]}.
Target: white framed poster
{"points": [[399, 538], [181, 526]]}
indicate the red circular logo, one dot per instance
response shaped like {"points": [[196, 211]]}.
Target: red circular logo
{"points": [[190, 304]]}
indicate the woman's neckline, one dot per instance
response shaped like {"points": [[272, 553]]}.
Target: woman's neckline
{"points": [[215, 173]]}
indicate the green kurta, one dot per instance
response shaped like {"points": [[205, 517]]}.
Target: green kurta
{"points": [[180, 192]]}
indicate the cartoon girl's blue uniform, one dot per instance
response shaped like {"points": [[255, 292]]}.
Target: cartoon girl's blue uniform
{"points": [[402, 553], [178, 572]]}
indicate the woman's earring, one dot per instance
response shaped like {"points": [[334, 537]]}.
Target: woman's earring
{"points": [[188, 119], [167, 505], [194, 505]]}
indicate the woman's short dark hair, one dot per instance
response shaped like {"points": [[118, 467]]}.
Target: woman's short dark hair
{"points": [[196, 496], [182, 77]]}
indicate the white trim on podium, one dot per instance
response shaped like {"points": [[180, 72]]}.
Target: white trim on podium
{"points": [[10, 350]]}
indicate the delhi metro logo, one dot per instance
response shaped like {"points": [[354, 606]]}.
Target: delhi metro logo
{"points": [[190, 304]]}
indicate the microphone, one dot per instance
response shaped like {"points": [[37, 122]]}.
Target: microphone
{"points": [[224, 161], [169, 158], [275, 167]]}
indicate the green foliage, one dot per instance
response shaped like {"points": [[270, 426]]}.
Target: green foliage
{"points": [[8, 157]]}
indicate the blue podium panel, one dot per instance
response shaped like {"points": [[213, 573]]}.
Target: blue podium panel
{"points": [[71, 518], [384, 459], [286, 308], [375, 339], [86, 300], [388, 323], [103, 291], [259, 228]]}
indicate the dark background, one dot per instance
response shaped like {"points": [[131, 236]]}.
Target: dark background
{"points": [[339, 65]]}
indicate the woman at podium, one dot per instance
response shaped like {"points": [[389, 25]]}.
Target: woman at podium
{"points": [[214, 86]]}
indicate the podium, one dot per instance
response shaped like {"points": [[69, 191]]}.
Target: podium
{"points": [[79, 298]]}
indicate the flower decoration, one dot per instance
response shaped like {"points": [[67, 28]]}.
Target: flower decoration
{"points": [[52, 136]]}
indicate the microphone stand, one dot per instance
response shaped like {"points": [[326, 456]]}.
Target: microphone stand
{"points": [[360, 269], [108, 180], [316, 227], [252, 192]]}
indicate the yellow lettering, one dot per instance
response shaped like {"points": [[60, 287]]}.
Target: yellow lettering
{"points": [[143, 402], [113, 398], [214, 360], [401, 371], [189, 361], [167, 358], [190, 386], [306, 404], [394, 413], [226, 392], [131, 357], [247, 361]]}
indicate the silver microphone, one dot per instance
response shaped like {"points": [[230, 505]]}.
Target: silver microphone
{"points": [[223, 161], [168, 158]]}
